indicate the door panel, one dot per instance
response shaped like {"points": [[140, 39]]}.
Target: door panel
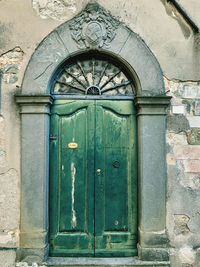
{"points": [[115, 149], [72, 183], [93, 190]]}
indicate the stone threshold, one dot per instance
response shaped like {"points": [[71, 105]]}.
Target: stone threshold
{"points": [[103, 262]]}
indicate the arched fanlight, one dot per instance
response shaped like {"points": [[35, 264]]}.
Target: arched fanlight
{"points": [[92, 75]]}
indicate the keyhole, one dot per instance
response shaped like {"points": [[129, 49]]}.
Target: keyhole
{"points": [[116, 164]]}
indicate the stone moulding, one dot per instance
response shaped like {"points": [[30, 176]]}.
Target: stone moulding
{"points": [[35, 100], [148, 105], [93, 27]]}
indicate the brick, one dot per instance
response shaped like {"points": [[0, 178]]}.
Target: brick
{"points": [[192, 165], [187, 152]]}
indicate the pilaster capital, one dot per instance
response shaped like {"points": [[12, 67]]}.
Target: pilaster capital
{"points": [[34, 99], [34, 104], [152, 105]]}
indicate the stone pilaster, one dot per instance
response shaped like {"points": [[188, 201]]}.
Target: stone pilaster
{"points": [[35, 112], [151, 116]]}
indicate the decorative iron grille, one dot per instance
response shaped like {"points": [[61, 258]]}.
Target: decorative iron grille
{"points": [[92, 75]]}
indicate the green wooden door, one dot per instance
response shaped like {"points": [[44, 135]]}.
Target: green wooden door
{"points": [[93, 185]]}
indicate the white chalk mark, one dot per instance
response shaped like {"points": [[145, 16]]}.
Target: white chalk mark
{"points": [[73, 172]]}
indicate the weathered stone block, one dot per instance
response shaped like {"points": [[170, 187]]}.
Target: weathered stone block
{"points": [[59, 10], [176, 139], [181, 227], [153, 254], [190, 91], [32, 255], [188, 104], [10, 63], [194, 121], [177, 123], [197, 108], [178, 109], [187, 152], [192, 166], [193, 136]]}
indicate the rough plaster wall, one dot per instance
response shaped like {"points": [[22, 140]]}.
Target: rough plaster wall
{"points": [[7, 258], [192, 9], [183, 167], [10, 65]]}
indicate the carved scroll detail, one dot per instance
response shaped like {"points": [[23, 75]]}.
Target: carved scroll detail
{"points": [[93, 27]]}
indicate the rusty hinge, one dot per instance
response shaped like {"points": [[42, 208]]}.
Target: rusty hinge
{"points": [[53, 137]]}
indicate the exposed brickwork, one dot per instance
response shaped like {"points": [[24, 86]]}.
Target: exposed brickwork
{"points": [[187, 152], [192, 166]]}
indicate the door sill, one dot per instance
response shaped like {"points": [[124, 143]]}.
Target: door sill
{"points": [[103, 262]]}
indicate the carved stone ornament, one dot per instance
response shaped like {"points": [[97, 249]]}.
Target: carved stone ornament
{"points": [[93, 27]]}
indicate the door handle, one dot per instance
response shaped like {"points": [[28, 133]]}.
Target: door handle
{"points": [[98, 170]]}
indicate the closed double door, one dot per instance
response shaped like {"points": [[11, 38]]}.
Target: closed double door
{"points": [[93, 185]]}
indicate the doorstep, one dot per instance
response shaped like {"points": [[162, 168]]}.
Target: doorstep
{"points": [[103, 262]]}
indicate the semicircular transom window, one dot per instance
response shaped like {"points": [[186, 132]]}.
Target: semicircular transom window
{"points": [[93, 75]]}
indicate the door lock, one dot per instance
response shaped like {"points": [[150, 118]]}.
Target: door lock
{"points": [[116, 164]]}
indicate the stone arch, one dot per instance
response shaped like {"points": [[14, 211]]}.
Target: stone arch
{"points": [[125, 45], [116, 40]]}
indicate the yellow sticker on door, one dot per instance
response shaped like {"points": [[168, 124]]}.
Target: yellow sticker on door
{"points": [[72, 145]]}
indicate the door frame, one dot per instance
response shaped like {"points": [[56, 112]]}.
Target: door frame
{"points": [[151, 119], [151, 102]]}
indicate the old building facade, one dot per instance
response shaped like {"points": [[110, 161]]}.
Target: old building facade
{"points": [[100, 133]]}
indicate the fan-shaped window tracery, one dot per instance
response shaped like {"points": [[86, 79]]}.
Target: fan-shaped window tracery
{"points": [[92, 75]]}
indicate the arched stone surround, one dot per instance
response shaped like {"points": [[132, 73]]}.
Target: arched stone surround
{"points": [[35, 101]]}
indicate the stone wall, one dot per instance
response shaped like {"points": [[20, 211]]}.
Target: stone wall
{"points": [[178, 55], [183, 166]]}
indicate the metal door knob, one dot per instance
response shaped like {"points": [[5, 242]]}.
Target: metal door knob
{"points": [[98, 170]]}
